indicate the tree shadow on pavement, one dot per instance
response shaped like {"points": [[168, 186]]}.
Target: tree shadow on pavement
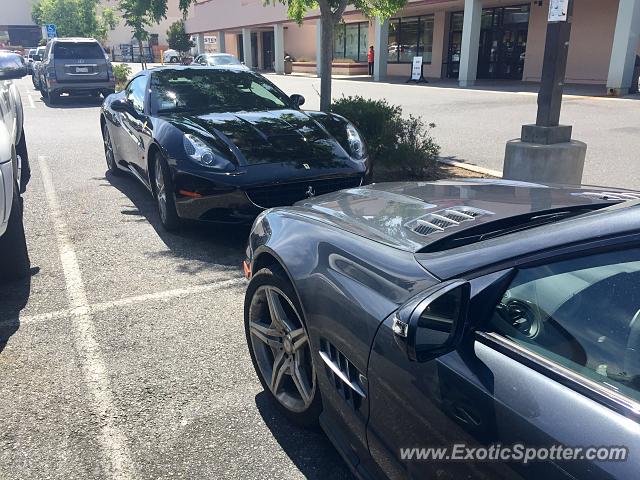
{"points": [[223, 245], [13, 298], [311, 451]]}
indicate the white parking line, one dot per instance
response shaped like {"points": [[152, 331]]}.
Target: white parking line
{"points": [[31, 102], [112, 440], [123, 302]]}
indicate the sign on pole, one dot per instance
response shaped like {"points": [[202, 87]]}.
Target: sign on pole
{"points": [[416, 68], [51, 30], [558, 10]]}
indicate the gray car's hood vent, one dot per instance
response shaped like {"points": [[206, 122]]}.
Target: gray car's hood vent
{"points": [[440, 220]]}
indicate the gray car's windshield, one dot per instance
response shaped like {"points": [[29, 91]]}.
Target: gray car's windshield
{"points": [[223, 60], [191, 90]]}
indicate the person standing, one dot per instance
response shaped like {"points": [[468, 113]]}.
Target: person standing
{"points": [[370, 60]]}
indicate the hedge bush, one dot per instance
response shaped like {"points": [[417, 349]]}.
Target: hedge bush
{"points": [[121, 73], [394, 142]]}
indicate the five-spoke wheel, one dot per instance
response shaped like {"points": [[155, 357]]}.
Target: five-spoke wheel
{"points": [[280, 347]]}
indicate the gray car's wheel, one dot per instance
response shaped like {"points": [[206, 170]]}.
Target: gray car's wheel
{"points": [[108, 151], [279, 346], [14, 257], [173, 60], [163, 190]]}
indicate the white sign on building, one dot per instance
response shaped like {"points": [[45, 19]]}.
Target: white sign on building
{"points": [[558, 10]]}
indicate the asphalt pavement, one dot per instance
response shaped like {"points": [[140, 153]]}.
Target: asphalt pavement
{"points": [[124, 356]]}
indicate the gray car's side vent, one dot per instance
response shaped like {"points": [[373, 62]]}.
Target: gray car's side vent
{"points": [[437, 222], [346, 378]]}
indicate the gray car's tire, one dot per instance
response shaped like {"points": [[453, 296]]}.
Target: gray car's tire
{"points": [[280, 349], [163, 190], [14, 257]]}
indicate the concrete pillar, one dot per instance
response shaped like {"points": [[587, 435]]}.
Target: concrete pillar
{"points": [[246, 47], [259, 48], [222, 47], [381, 47], [318, 47], [470, 42], [278, 43], [625, 46], [200, 43]]}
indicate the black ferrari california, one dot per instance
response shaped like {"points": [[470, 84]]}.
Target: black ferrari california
{"points": [[476, 329], [222, 144]]}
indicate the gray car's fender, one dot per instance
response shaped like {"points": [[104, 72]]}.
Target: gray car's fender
{"points": [[7, 180]]}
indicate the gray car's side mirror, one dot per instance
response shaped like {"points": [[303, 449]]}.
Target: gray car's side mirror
{"points": [[297, 100], [12, 66], [432, 324], [120, 105]]}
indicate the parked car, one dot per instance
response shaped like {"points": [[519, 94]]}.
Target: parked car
{"points": [[36, 68], [14, 170], [434, 314], [171, 56], [222, 144], [216, 59], [76, 66], [29, 59]]}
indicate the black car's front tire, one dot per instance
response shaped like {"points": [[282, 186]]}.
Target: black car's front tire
{"points": [[164, 193], [109, 153], [14, 256], [279, 346]]}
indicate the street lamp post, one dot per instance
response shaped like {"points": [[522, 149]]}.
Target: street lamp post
{"points": [[545, 151]]}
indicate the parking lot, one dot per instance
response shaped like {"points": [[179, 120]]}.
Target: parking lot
{"points": [[125, 357]]}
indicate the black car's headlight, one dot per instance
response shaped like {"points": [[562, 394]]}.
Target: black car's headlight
{"points": [[357, 147], [206, 155]]}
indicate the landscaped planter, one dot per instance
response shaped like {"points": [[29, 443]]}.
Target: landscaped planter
{"points": [[338, 68]]}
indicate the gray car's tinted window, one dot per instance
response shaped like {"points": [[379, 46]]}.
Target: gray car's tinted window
{"points": [[68, 51], [583, 313], [135, 92]]}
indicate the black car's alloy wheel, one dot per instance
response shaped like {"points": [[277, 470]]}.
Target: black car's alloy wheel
{"points": [[279, 346], [163, 189], [108, 151]]}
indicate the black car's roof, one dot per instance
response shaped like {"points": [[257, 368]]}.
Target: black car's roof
{"points": [[197, 68]]}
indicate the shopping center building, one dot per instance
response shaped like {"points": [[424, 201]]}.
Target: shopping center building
{"points": [[465, 40]]}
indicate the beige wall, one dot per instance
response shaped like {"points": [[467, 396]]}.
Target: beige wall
{"points": [[16, 12], [591, 41], [122, 33], [300, 41]]}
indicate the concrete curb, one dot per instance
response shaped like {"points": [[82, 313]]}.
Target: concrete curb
{"points": [[472, 168]]}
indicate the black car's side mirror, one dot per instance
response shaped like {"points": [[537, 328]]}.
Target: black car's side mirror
{"points": [[121, 105], [297, 100], [432, 324], [12, 66]]}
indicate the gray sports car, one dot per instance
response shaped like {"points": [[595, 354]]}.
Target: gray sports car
{"points": [[455, 329]]}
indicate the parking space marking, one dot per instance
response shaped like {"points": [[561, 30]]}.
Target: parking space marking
{"points": [[31, 102], [112, 440], [123, 302]]}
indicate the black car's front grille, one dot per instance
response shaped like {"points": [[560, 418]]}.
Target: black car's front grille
{"points": [[289, 193]]}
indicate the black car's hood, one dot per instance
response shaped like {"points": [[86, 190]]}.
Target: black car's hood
{"points": [[395, 213], [269, 136]]}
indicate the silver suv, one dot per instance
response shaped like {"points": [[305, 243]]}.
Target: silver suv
{"points": [[75, 66], [14, 171]]}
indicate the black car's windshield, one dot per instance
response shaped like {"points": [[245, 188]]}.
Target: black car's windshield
{"points": [[223, 60], [190, 90]]}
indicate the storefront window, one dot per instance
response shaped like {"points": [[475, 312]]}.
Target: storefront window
{"points": [[410, 37], [350, 41]]}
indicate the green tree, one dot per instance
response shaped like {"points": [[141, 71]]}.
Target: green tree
{"points": [[177, 38], [141, 14], [75, 18], [331, 12]]}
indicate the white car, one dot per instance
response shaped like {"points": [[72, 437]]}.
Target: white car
{"points": [[14, 171], [171, 56]]}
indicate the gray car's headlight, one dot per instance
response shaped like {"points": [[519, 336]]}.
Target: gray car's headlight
{"points": [[356, 145], [205, 155]]}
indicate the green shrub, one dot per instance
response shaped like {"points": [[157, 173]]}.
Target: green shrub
{"points": [[395, 143], [121, 73]]}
